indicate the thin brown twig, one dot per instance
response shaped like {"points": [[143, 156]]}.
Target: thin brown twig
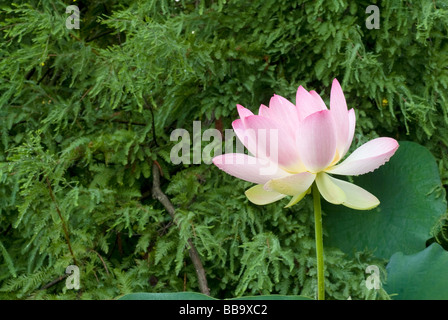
{"points": [[159, 195], [85, 93], [153, 121], [64, 226], [99, 35], [101, 258], [55, 281], [117, 120]]}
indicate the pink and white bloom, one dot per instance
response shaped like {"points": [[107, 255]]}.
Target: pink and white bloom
{"points": [[309, 142]]}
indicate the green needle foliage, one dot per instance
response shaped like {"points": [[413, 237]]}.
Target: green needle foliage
{"points": [[86, 112]]}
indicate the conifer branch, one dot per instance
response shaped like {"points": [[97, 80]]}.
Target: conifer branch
{"points": [[64, 226], [159, 195]]}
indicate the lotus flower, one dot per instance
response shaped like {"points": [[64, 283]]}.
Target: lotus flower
{"points": [[305, 144]]}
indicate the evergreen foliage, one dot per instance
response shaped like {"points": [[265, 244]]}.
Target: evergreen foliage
{"points": [[85, 113]]}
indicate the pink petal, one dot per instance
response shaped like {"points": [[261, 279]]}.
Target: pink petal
{"points": [[316, 141], [248, 168], [291, 185], [338, 107], [351, 130], [263, 111], [318, 100], [367, 157], [243, 112], [247, 140], [273, 142], [284, 113], [307, 103]]}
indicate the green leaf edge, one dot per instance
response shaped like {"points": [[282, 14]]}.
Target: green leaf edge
{"points": [[432, 250]]}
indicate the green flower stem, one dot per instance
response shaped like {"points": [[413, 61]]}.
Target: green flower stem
{"points": [[319, 244]]}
